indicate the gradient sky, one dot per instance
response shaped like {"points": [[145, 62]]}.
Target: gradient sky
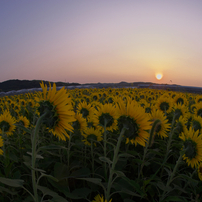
{"points": [[90, 41]]}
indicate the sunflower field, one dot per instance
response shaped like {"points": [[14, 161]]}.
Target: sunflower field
{"points": [[101, 145]]}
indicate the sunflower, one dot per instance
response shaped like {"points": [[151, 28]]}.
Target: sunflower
{"points": [[1, 145], [80, 124], [196, 123], [148, 107], [181, 125], [164, 103], [189, 119], [192, 145], [163, 126], [142, 103], [58, 109], [92, 135], [198, 98], [95, 96], [85, 109], [22, 120], [30, 103], [180, 99], [179, 110], [7, 123], [106, 115], [135, 121], [91, 123], [198, 109], [99, 198], [200, 171], [22, 102]]}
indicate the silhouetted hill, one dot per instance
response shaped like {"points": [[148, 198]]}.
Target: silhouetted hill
{"points": [[7, 87], [16, 84]]}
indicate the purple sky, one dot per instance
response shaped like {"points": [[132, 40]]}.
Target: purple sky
{"points": [[89, 41]]}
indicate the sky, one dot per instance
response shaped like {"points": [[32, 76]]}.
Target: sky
{"points": [[107, 41]]}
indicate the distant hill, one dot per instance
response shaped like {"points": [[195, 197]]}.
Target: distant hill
{"points": [[8, 86], [16, 84]]}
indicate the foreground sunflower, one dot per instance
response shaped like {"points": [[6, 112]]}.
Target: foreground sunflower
{"points": [[135, 121], [192, 142], [58, 109], [7, 123], [1, 145]]}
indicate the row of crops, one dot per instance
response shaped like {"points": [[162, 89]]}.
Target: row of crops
{"points": [[101, 145]]}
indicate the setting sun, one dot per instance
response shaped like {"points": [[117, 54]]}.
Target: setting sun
{"points": [[159, 76]]}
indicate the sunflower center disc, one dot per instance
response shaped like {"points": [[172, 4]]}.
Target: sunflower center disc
{"points": [[106, 118], [51, 118], [132, 128], [4, 126], [190, 148], [164, 106]]}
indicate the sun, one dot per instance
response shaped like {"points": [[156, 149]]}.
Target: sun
{"points": [[159, 76]]}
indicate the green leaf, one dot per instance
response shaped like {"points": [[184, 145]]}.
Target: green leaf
{"points": [[61, 171], [122, 189], [105, 159], [190, 179], [163, 187], [93, 180], [120, 174], [56, 197], [51, 147], [168, 171], [128, 200], [78, 193], [37, 156], [23, 128], [3, 190], [125, 155], [134, 184], [50, 177], [82, 192], [27, 161], [83, 172], [173, 198], [12, 182], [179, 188]]}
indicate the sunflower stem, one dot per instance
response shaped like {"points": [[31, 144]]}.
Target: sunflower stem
{"points": [[105, 149], [169, 144], [4, 140], [115, 159], [34, 153], [92, 156], [151, 138], [69, 147], [152, 131], [143, 160], [172, 175]]}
